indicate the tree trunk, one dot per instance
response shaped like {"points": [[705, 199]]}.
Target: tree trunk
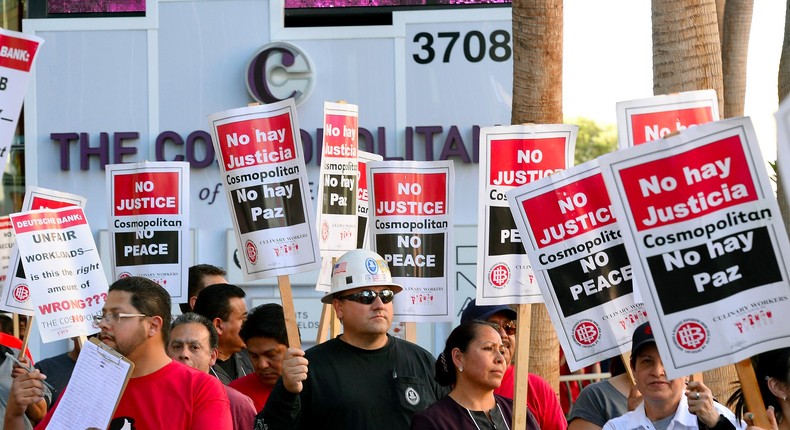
{"points": [[784, 62], [537, 98], [686, 57], [720, 18], [734, 52], [686, 47]]}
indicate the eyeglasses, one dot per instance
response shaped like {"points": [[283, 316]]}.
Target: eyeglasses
{"points": [[114, 317], [367, 297], [509, 328]]}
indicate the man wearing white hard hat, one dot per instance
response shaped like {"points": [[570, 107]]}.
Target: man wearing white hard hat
{"points": [[363, 378]]}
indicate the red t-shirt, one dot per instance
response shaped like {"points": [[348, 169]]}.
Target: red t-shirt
{"points": [[252, 386], [173, 397], [541, 399]]}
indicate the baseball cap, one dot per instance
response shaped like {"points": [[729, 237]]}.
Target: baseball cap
{"points": [[643, 335], [482, 312]]}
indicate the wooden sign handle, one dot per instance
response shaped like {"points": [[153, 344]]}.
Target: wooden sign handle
{"points": [[751, 393], [523, 328], [284, 282]]}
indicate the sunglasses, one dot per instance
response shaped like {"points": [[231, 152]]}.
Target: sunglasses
{"points": [[509, 328], [367, 297]]}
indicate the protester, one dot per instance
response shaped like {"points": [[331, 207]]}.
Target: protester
{"points": [[363, 378], [601, 401], [59, 369], [224, 306], [473, 363], [161, 393], [6, 324], [267, 340], [36, 411], [541, 398], [200, 277], [772, 370], [673, 404], [193, 341]]}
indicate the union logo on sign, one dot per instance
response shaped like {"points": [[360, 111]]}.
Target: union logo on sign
{"points": [[499, 275], [691, 335], [251, 251], [586, 333], [21, 293]]}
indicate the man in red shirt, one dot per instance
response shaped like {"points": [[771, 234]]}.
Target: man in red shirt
{"points": [[161, 394], [267, 341]]}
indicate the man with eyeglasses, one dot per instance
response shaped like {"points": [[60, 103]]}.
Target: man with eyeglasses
{"points": [[542, 401], [364, 378], [162, 393]]}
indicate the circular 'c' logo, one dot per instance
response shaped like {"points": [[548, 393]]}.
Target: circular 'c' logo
{"points": [[279, 71]]}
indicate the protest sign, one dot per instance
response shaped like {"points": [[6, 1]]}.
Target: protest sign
{"points": [[262, 167], [65, 274], [337, 187], [6, 244], [576, 247], [17, 53], [411, 228], [15, 296], [645, 120], [704, 234], [511, 156], [149, 223], [363, 198]]}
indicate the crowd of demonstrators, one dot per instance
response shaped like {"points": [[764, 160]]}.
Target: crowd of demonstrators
{"points": [[473, 364], [193, 342], [772, 370], [162, 393], [668, 403], [364, 378], [541, 398], [603, 400], [266, 338], [200, 277], [224, 306]]}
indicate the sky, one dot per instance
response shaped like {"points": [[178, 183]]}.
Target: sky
{"points": [[609, 59]]}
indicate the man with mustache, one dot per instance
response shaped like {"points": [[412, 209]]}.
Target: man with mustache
{"points": [[362, 379], [267, 340], [161, 394]]}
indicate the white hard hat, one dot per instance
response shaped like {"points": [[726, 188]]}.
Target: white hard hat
{"points": [[360, 268]]}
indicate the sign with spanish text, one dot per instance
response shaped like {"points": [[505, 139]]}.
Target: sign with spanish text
{"points": [[363, 198], [6, 245], [337, 187], [573, 239], [645, 120], [512, 156], [411, 228], [149, 223], [17, 54], [262, 167], [15, 296], [65, 274], [703, 231]]}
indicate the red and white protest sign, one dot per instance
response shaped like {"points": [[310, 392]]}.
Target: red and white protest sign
{"points": [[363, 198], [411, 228], [575, 245], [645, 120], [65, 275], [262, 167], [704, 234], [17, 54], [149, 223], [337, 187], [15, 296], [512, 156]]}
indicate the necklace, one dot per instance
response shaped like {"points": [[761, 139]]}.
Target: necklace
{"points": [[490, 421]]}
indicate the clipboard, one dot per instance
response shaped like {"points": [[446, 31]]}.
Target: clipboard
{"points": [[94, 391]]}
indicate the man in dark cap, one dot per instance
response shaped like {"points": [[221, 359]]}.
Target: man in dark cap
{"points": [[541, 398]]}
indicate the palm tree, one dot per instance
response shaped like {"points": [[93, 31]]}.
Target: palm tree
{"points": [[734, 49], [537, 98]]}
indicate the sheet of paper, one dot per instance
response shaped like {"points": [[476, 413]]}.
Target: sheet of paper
{"points": [[97, 383]]}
